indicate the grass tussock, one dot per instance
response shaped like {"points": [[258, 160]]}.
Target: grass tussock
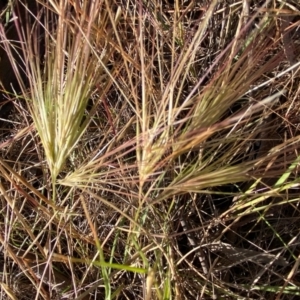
{"points": [[149, 150]]}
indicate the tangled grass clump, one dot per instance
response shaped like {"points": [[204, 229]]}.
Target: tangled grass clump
{"points": [[149, 150]]}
